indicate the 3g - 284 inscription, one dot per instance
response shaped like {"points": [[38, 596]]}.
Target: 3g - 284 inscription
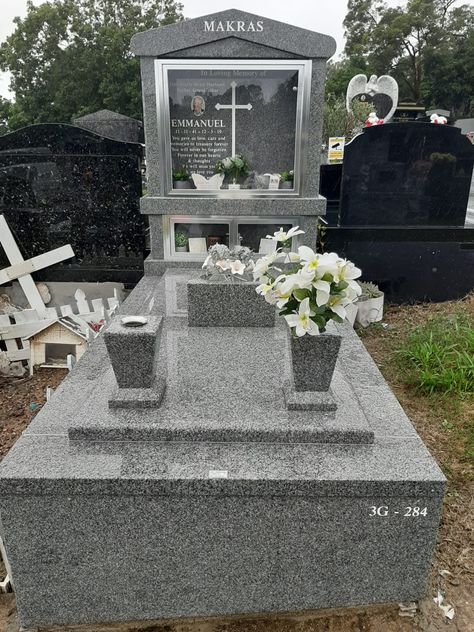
{"points": [[408, 511]]}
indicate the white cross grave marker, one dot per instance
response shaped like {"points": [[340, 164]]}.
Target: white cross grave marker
{"points": [[233, 107], [21, 269]]}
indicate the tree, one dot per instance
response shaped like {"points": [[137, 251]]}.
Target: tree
{"points": [[422, 43], [68, 58]]}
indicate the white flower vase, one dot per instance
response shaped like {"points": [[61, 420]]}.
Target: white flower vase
{"points": [[370, 311], [234, 187]]}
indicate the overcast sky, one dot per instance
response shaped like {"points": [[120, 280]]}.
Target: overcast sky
{"points": [[324, 16]]}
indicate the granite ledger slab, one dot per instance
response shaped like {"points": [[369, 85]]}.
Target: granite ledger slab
{"points": [[124, 515]]}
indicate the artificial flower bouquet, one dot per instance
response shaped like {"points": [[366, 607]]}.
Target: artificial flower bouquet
{"points": [[233, 166], [310, 289], [228, 264]]}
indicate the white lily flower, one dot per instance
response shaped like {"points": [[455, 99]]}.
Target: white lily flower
{"points": [[336, 305], [267, 286], [319, 264], [348, 271], [224, 264], [262, 266], [302, 322], [323, 289], [282, 236], [353, 291], [237, 267]]}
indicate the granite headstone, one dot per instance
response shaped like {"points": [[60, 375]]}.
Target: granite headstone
{"points": [[60, 184]]}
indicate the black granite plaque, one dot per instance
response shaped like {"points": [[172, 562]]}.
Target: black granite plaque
{"points": [[215, 113], [407, 174], [60, 184]]}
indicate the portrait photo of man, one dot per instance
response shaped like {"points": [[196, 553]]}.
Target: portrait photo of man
{"points": [[198, 105]]}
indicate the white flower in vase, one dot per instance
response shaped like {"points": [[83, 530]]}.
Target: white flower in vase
{"points": [[282, 236], [319, 264], [301, 322]]}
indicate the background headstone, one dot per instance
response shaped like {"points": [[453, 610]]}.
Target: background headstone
{"points": [[402, 212], [407, 174], [112, 125], [60, 184]]}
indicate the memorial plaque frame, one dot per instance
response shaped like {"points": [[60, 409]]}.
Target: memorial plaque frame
{"points": [[304, 69]]}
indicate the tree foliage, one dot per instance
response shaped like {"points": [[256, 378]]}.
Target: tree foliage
{"points": [[68, 58], [427, 45]]}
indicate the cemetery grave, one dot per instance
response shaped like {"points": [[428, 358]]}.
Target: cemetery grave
{"points": [[399, 201], [191, 467]]}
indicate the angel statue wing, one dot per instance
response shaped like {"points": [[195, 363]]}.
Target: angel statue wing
{"points": [[387, 85], [215, 182], [357, 85]]}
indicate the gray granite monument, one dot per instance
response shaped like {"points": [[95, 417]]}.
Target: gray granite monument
{"points": [[112, 125], [218, 497]]}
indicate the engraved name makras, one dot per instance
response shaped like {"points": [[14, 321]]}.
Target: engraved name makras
{"points": [[233, 26]]}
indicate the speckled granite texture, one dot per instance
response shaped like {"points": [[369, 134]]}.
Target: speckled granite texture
{"points": [[231, 304], [137, 398], [132, 351], [111, 514], [313, 359]]}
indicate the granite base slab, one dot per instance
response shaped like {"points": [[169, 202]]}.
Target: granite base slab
{"points": [[108, 530], [138, 398], [212, 396]]}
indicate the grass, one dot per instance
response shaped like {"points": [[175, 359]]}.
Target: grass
{"points": [[426, 353], [437, 357]]}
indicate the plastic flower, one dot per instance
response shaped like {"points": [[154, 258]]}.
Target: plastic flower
{"points": [[323, 290], [262, 266], [285, 285], [301, 322], [319, 264], [372, 120], [224, 264], [438, 120], [237, 267], [282, 236], [336, 304]]}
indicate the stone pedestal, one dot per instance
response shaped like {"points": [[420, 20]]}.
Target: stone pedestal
{"points": [[227, 304]]}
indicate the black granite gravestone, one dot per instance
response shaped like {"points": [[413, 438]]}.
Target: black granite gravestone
{"points": [[404, 194], [406, 174], [60, 184]]}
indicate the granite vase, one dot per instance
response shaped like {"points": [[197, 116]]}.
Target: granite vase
{"points": [[313, 360], [132, 351], [227, 304]]}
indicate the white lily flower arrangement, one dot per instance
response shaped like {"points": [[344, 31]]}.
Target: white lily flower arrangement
{"points": [[309, 288], [228, 264]]}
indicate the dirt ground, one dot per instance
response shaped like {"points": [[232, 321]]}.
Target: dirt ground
{"points": [[453, 566]]}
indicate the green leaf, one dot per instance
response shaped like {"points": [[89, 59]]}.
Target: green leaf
{"points": [[301, 294]]}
